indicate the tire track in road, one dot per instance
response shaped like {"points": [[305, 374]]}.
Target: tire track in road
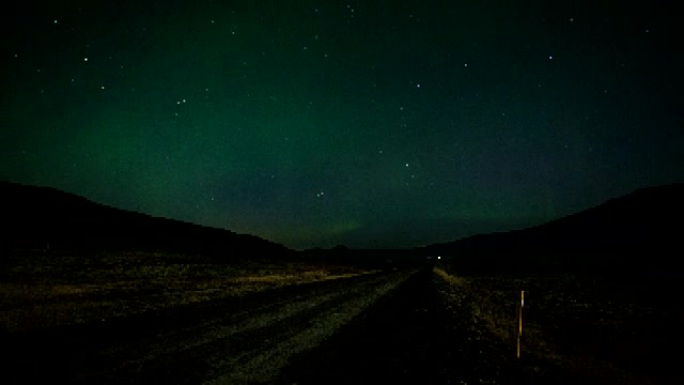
{"points": [[398, 340]]}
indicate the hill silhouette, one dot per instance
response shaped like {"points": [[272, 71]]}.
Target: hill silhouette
{"points": [[641, 231], [42, 218]]}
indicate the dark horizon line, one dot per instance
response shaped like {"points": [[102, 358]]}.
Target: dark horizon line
{"points": [[341, 246]]}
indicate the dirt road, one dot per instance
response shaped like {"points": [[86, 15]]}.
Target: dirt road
{"points": [[421, 333]]}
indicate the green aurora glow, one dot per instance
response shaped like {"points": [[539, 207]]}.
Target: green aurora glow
{"points": [[369, 123]]}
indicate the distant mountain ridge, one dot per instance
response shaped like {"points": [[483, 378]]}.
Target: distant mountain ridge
{"points": [[35, 218], [644, 228]]}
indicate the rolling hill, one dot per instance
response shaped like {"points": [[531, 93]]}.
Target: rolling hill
{"points": [[641, 230], [42, 218]]}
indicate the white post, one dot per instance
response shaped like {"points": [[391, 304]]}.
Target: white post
{"points": [[520, 325]]}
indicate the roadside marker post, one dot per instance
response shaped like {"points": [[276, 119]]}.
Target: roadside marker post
{"points": [[520, 324]]}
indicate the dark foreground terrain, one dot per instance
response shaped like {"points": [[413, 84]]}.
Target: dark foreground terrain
{"points": [[246, 339], [413, 326]]}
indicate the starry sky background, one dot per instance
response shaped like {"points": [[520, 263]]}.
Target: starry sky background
{"points": [[365, 123]]}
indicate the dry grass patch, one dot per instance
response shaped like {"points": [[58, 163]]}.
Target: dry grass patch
{"points": [[45, 291], [590, 326]]}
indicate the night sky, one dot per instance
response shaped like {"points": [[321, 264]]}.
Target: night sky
{"points": [[365, 123]]}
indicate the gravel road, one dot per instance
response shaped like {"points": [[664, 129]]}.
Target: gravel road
{"points": [[422, 333]]}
